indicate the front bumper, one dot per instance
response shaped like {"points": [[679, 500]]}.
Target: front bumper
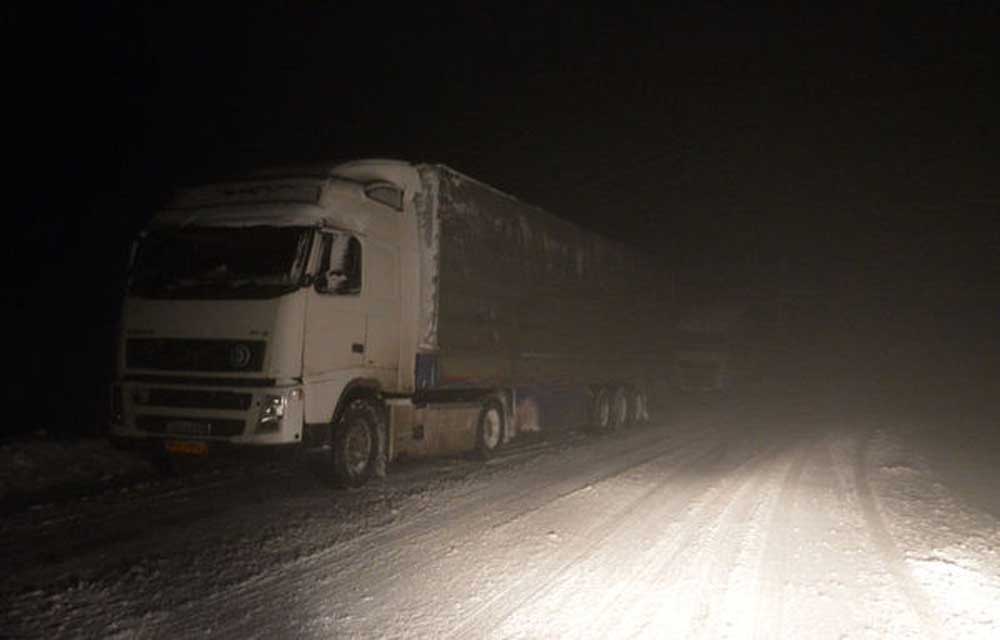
{"points": [[271, 415]]}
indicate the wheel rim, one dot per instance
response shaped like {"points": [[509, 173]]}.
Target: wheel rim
{"points": [[358, 447], [491, 428]]}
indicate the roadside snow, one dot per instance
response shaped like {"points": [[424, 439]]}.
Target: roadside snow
{"points": [[37, 465], [951, 549]]}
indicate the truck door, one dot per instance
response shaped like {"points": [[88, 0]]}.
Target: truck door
{"points": [[335, 313], [381, 297]]}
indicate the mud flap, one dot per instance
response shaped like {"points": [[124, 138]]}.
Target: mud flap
{"points": [[381, 450]]}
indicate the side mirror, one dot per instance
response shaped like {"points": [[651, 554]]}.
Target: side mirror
{"points": [[340, 267], [333, 282]]}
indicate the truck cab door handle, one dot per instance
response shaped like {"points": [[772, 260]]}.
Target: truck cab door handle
{"points": [[357, 347]]}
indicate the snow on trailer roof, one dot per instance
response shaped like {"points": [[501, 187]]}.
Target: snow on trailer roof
{"points": [[406, 175]]}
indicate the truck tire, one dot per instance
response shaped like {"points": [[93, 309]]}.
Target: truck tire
{"points": [[619, 408], [489, 429], [638, 412], [600, 409], [355, 443]]}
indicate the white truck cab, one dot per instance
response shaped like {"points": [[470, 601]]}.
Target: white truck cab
{"points": [[253, 306]]}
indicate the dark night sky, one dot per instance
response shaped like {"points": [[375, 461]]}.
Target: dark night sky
{"points": [[849, 150]]}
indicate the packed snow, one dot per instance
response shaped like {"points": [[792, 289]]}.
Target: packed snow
{"points": [[764, 516]]}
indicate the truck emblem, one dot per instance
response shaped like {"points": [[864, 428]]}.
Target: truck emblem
{"points": [[239, 356]]}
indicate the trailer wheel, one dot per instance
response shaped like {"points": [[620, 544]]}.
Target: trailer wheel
{"points": [[600, 410], [619, 408], [489, 429], [355, 444], [638, 412]]}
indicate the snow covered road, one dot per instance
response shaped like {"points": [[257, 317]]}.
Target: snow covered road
{"points": [[742, 521]]}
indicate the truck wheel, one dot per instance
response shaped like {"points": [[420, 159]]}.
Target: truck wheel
{"points": [[489, 429], [619, 408], [638, 414], [355, 444], [600, 410]]}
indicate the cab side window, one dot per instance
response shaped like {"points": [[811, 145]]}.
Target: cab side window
{"points": [[340, 265]]}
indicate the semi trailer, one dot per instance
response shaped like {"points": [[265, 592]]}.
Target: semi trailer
{"points": [[382, 309]]}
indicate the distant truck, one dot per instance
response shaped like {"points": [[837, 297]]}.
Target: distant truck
{"points": [[705, 345], [380, 308]]}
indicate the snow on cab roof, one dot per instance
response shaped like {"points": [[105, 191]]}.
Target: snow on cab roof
{"points": [[289, 194]]}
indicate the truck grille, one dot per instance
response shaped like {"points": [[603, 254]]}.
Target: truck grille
{"points": [[195, 399], [188, 426], [176, 354]]}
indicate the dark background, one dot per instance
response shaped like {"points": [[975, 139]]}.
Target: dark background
{"points": [[844, 160]]}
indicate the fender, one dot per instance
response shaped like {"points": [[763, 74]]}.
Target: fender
{"points": [[370, 389], [318, 429], [359, 387]]}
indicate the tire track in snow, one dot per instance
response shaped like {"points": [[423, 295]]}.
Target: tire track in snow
{"points": [[121, 525], [734, 532], [773, 567], [505, 603], [517, 452], [697, 533], [703, 533], [494, 506], [168, 503], [103, 554], [891, 555]]}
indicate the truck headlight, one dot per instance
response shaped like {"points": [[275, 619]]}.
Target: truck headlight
{"points": [[272, 410]]}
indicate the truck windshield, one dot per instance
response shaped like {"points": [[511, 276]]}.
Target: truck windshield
{"points": [[220, 262]]}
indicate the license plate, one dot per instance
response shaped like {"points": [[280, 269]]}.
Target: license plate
{"points": [[187, 448], [188, 428]]}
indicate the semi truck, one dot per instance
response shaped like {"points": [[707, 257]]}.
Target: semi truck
{"points": [[380, 309]]}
